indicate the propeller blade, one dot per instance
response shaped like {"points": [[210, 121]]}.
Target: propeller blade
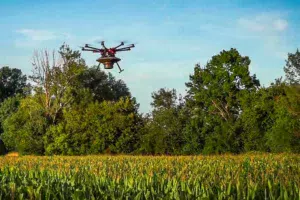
{"points": [[89, 47], [100, 42], [90, 50], [132, 45], [122, 41]]}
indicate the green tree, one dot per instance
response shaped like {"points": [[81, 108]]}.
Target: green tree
{"points": [[284, 135], [214, 98], [292, 68], [24, 129], [73, 110], [258, 116], [56, 86], [164, 99], [57, 80], [12, 82], [163, 129], [103, 86], [8, 107], [93, 128]]}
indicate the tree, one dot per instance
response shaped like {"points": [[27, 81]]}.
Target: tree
{"points": [[12, 82], [24, 129], [292, 68], [284, 135], [93, 128], [8, 107], [163, 130], [103, 86], [258, 116], [214, 98], [56, 87], [12, 87], [56, 81], [164, 98], [62, 115]]}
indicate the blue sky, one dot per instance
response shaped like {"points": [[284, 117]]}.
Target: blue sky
{"points": [[172, 36]]}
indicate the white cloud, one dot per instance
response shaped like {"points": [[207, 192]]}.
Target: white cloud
{"points": [[269, 29], [38, 35], [263, 23], [280, 24], [251, 25], [34, 37]]}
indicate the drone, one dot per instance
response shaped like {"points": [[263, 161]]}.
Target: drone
{"points": [[108, 58]]}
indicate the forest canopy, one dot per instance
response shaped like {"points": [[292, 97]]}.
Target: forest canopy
{"points": [[68, 108]]}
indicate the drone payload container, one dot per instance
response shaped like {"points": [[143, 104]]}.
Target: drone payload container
{"points": [[108, 62]]}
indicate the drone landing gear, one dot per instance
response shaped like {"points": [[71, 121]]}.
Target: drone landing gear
{"points": [[120, 68]]}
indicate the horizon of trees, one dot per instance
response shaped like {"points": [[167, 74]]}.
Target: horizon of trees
{"points": [[68, 108]]}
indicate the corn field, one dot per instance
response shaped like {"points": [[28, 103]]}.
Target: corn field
{"points": [[251, 176]]}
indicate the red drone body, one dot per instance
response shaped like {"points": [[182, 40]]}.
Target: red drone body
{"points": [[108, 58]]}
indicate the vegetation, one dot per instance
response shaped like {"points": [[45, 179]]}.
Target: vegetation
{"points": [[262, 176], [73, 109]]}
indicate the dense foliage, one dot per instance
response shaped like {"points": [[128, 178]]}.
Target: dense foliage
{"points": [[146, 177], [73, 109]]}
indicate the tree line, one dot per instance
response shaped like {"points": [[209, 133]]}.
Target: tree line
{"points": [[68, 108]]}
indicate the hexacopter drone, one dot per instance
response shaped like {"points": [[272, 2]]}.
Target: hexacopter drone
{"points": [[108, 58]]}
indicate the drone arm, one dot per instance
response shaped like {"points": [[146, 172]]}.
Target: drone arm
{"points": [[124, 49], [128, 47], [122, 43]]}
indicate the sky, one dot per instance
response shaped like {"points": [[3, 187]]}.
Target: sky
{"points": [[171, 36]]}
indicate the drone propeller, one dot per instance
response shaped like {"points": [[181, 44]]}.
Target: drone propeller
{"points": [[122, 43], [88, 47], [84, 49], [102, 43]]}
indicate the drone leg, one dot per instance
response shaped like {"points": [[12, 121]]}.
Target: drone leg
{"points": [[120, 68], [98, 66]]}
